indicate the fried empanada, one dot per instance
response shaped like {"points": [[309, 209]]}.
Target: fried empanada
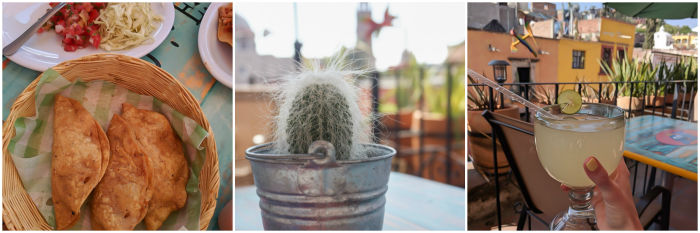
{"points": [[80, 157], [121, 199], [170, 170]]}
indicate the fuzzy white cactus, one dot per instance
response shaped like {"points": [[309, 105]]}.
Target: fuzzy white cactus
{"points": [[322, 104]]}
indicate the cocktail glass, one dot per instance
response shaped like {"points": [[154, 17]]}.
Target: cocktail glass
{"points": [[563, 145]]}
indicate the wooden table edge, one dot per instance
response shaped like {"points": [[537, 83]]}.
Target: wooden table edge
{"points": [[661, 165]]}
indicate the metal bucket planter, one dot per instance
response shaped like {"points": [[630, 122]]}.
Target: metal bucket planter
{"points": [[315, 192]]}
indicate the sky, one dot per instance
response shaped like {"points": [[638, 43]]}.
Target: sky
{"points": [[692, 23], [426, 29]]}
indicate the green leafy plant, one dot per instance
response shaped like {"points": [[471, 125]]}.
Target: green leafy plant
{"points": [[627, 71], [545, 96], [586, 90], [658, 88], [409, 88], [685, 68], [436, 96], [478, 96], [589, 92], [607, 92]]}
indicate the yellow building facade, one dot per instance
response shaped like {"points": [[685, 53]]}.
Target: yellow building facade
{"points": [[684, 39], [565, 59], [579, 59]]}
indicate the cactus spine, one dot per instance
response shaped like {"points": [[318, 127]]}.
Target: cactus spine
{"points": [[321, 104]]}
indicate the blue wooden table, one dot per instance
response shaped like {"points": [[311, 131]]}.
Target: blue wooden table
{"points": [[412, 203], [179, 56], [664, 143]]}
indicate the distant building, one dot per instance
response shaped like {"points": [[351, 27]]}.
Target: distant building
{"points": [[252, 68], [669, 56], [685, 41], [558, 59], [545, 8], [480, 14], [663, 39]]}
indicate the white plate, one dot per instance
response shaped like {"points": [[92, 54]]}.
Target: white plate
{"points": [[217, 56], [44, 50]]}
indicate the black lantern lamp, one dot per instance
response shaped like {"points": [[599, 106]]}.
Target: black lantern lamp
{"points": [[500, 73]]}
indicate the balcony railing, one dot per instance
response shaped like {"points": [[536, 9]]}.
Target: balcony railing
{"points": [[429, 154], [647, 86]]}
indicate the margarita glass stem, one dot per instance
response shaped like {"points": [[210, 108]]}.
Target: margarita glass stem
{"points": [[580, 215], [581, 203]]}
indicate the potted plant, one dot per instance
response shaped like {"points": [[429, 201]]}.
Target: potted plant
{"points": [[685, 68], [656, 91], [480, 142], [321, 154], [400, 112], [630, 95], [586, 95], [654, 97], [607, 94], [544, 96], [590, 95], [434, 118]]}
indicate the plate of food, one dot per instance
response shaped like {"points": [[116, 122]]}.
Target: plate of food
{"points": [[216, 41], [80, 29]]}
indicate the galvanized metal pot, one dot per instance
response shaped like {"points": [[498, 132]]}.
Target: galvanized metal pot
{"points": [[315, 192]]}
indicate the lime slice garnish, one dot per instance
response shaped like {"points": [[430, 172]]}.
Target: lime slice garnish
{"points": [[569, 102]]}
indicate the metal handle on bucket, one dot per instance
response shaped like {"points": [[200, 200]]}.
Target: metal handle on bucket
{"points": [[324, 176]]}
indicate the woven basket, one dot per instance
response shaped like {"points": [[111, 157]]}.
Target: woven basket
{"points": [[19, 211]]}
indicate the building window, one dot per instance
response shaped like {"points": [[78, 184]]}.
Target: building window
{"points": [[606, 56], [578, 59], [620, 54], [685, 41], [678, 41]]}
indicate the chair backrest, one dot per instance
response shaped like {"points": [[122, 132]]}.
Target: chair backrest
{"points": [[541, 192]]}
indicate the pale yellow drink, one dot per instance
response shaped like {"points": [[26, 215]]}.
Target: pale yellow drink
{"points": [[563, 147]]}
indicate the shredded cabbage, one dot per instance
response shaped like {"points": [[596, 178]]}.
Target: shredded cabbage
{"points": [[126, 25]]}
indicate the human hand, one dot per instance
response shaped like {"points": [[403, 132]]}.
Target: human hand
{"points": [[612, 197]]}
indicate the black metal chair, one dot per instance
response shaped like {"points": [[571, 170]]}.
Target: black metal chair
{"points": [[535, 184]]}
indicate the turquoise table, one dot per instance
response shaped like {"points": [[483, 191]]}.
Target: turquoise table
{"points": [[178, 55], [412, 203], [664, 143], [668, 144]]}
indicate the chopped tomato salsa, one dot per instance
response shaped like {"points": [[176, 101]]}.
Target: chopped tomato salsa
{"points": [[75, 22]]}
